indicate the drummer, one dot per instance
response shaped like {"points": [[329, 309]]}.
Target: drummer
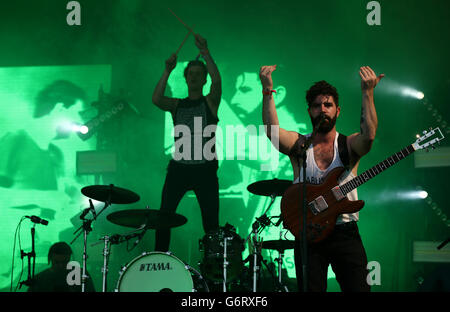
{"points": [[189, 169]]}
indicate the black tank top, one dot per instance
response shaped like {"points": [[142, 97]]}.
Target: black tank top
{"points": [[192, 117]]}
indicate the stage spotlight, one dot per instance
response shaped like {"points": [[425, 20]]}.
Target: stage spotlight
{"points": [[423, 194], [413, 93], [418, 194], [84, 129], [79, 128]]}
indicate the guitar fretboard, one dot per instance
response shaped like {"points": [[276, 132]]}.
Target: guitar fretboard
{"points": [[375, 170]]}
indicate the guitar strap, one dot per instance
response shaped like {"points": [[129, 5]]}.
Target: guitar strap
{"points": [[343, 150]]}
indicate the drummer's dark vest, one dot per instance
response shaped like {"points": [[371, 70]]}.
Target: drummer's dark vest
{"points": [[196, 115]]}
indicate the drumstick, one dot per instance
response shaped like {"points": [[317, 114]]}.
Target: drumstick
{"points": [[185, 38], [189, 28], [190, 31]]}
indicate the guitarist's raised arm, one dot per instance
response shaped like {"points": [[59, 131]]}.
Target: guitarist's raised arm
{"points": [[286, 139], [361, 143]]}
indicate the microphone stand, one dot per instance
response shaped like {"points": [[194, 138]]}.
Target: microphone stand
{"points": [[303, 234], [30, 255], [301, 158]]}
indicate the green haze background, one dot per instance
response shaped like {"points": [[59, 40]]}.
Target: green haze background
{"points": [[122, 45]]}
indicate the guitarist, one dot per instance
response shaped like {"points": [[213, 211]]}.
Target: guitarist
{"points": [[343, 249]]}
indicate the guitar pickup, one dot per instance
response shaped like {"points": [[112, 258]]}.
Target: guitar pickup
{"points": [[337, 192], [318, 205]]}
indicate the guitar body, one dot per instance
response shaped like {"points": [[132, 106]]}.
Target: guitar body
{"points": [[326, 201], [323, 207]]}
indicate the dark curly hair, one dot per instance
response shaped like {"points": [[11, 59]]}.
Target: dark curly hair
{"points": [[324, 88], [60, 248]]}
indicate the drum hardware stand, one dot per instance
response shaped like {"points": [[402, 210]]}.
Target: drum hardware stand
{"points": [[106, 253], [280, 263], [280, 285], [114, 240], [258, 226], [225, 262]]}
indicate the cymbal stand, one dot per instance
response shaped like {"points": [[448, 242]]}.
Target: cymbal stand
{"points": [[256, 256], [280, 265], [86, 226], [257, 227], [225, 262], [106, 253]]}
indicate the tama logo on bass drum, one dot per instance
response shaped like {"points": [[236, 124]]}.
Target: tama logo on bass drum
{"points": [[155, 267]]}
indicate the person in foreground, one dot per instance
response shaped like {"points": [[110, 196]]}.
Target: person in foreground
{"points": [[343, 248]]}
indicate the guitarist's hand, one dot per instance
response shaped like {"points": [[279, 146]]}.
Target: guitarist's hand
{"points": [[369, 79], [265, 74]]}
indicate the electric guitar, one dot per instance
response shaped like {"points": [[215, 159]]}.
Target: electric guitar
{"points": [[326, 201]]}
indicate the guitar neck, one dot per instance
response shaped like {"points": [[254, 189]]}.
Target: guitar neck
{"points": [[375, 170]]}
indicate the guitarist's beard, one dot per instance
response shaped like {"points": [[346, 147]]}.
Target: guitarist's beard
{"points": [[326, 126]]}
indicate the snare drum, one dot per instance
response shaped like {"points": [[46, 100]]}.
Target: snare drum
{"points": [[155, 272]]}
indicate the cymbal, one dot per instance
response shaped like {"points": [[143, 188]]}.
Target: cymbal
{"points": [[152, 219], [279, 245], [273, 187], [110, 193]]}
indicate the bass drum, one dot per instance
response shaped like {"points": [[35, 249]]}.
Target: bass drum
{"points": [[158, 272]]}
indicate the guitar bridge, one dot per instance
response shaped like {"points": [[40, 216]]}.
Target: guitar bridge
{"points": [[318, 205]]}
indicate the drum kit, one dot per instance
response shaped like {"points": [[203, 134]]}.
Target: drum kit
{"points": [[222, 249]]}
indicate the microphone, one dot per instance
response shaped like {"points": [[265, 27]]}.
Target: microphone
{"points": [[86, 211], [37, 220], [321, 118], [91, 205]]}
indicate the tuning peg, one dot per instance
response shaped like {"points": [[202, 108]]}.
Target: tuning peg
{"points": [[425, 132], [433, 147]]}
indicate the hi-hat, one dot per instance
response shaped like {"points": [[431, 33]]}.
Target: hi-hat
{"points": [[147, 218], [110, 194], [279, 245], [273, 187]]}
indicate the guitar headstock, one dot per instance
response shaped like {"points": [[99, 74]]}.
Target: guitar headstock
{"points": [[428, 138]]}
